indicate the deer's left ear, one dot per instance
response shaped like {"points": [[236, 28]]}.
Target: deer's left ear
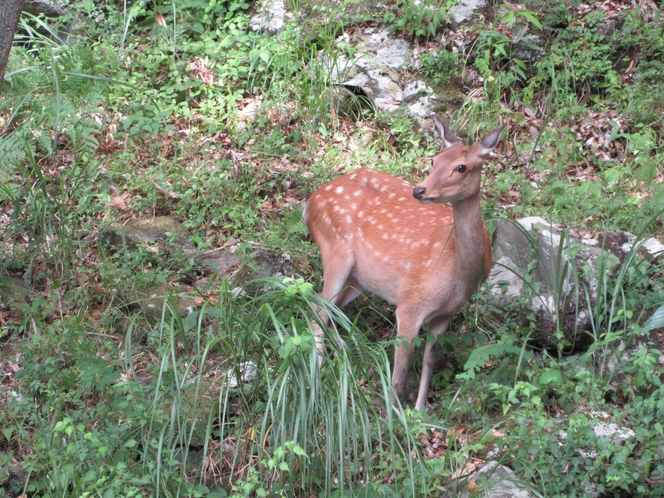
{"points": [[449, 138], [490, 142]]}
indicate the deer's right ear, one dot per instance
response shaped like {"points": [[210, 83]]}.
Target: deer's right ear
{"points": [[490, 142], [449, 138]]}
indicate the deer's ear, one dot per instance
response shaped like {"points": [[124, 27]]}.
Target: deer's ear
{"points": [[449, 138], [490, 142]]}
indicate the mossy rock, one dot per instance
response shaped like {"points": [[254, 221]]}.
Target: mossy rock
{"points": [[159, 229], [150, 302]]}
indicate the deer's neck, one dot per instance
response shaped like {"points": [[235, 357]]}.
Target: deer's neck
{"points": [[471, 246]]}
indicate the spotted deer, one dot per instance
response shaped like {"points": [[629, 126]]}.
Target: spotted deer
{"points": [[423, 248]]}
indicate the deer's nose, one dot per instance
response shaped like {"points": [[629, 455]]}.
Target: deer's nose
{"points": [[418, 193]]}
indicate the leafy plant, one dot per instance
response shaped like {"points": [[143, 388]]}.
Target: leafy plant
{"points": [[498, 49], [419, 19]]}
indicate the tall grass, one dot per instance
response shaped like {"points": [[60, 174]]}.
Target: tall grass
{"points": [[51, 103], [221, 429]]}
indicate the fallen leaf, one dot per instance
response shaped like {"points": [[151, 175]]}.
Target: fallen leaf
{"points": [[118, 202]]}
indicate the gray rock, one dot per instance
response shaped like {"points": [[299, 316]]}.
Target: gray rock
{"points": [[372, 70], [606, 28], [247, 370], [159, 229], [539, 270], [271, 18], [50, 8], [492, 480], [602, 430], [529, 48], [464, 10], [220, 262], [651, 247], [151, 301]]}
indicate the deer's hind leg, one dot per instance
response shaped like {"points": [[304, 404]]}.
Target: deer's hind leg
{"points": [[339, 285]]}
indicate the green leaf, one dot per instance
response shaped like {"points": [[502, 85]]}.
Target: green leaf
{"points": [[531, 17], [550, 377], [656, 320], [130, 444], [298, 451], [287, 349], [89, 476]]}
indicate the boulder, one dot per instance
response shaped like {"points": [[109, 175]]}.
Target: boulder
{"points": [[372, 69], [272, 17], [550, 276], [153, 230], [465, 10], [494, 480]]}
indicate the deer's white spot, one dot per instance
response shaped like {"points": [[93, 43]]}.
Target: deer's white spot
{"points": [[339, 190], [360, 214]]}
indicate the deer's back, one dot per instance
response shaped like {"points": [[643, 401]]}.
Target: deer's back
{"points": [[397, 242]]}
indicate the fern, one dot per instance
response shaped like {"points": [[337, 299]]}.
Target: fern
{"points": [[294, 223], [8, 191], [12, 152], [50, 99], [298, 228]]}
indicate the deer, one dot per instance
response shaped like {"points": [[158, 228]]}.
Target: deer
{"points": [[424, 248]]}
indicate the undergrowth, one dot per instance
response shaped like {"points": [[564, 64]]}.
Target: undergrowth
{"points": [[131, 369]]}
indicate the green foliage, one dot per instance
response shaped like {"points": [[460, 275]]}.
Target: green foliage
{"points": [[438, 67], [498, 49], [153, 103], [419, 19], [155, 434]]}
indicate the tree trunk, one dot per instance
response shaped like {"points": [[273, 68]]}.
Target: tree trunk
{"points": [[10, 12]]}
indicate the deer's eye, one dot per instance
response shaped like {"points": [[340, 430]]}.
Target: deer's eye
{"points": [[461, 168]]}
